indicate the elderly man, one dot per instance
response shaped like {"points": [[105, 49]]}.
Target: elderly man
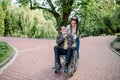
{"points": [[65, 45]]}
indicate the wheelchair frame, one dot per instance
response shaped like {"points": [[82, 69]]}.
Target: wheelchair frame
{"points": [[73, 63]]}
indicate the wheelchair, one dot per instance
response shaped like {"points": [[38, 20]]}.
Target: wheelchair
{"points": [[73, 63]]}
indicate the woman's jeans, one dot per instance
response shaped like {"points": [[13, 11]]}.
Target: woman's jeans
{"points": [[77, 46]]}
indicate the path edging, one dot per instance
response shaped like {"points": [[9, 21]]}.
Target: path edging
{"points": [[113, 49], [4, 65]]}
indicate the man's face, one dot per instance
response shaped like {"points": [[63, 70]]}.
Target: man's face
{"points": [[63, 30]]}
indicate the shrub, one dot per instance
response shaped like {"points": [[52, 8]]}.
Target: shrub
{"points": [[1, 21], [5, 51], [28, 23]]}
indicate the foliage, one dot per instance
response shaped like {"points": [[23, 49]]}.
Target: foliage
{"points": [[28, 23], [5, 51], [96, 17], [49, 17], [2, 14], [117, 39], [116, 44], [5, 4], [117, 34], [60, 9], [116, 19]]}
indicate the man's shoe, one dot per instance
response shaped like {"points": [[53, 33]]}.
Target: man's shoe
{"points": [[57, 67], [66, 69]]}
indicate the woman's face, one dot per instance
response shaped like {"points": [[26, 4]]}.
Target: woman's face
{"points": [[73, 23]]}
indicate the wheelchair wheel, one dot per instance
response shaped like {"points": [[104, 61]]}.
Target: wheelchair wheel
{"points": [[75, 60], [73, 64]]}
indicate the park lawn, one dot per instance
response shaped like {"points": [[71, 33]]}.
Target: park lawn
{"points": [[116, 44], [5, 51]]}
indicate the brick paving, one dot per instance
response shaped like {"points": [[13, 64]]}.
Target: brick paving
{"points": [[36, 59]]}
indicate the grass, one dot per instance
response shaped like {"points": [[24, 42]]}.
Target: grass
{"points": [[116, 44], [5, 51]]}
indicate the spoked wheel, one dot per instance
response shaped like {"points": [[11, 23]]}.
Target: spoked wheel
{"points": [[71, 67], [75, 60], [73, 64]]}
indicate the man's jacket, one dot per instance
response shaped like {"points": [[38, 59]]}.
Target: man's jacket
{"points": [[60, 40]]}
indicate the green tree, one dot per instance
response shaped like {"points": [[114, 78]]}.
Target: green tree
{"points": [[5, 4], [60, 9], [8, 23], [23, 22], [116, 17], [95, 16], [1, 21]]}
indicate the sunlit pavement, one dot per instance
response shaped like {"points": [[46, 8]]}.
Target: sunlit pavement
{"points": [[36, 59]]}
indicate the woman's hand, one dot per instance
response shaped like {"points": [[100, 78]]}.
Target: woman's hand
{"points": [[75, 36], [73, 46]]}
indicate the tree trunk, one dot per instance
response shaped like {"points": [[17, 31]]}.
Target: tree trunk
{"points": [[61, 20]]}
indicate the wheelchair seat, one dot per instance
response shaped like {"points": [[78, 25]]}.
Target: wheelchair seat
{"points": [[73, 63]]}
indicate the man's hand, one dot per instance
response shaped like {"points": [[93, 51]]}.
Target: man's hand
{"points": [[65, 35], [73, 46]]}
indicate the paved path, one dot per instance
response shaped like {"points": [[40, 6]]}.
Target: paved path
{"points": [[36, 59]]}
